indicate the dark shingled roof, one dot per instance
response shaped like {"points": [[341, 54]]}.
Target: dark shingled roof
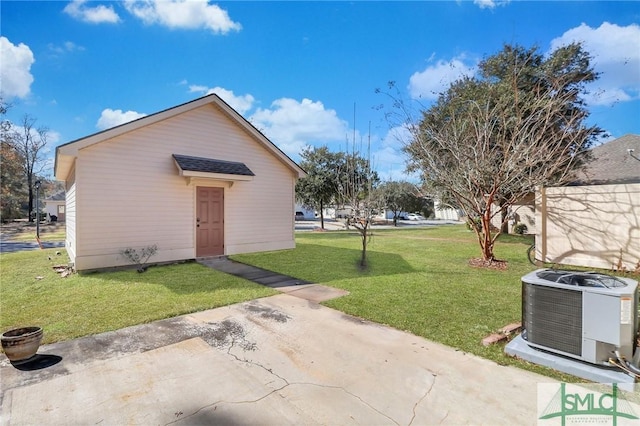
{"points": [[613, 163], [209, 165], [57, 197]]}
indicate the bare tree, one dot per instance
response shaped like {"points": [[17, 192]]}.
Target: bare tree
{"points": [[29, 142], [479, 161], [356, 182], [492, 140]]}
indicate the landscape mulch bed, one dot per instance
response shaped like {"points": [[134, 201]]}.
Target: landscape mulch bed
{"points": [[499, 265]]}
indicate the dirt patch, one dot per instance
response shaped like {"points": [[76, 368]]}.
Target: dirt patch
{"points": [[500, 265]]}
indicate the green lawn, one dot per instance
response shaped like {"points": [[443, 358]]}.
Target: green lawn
{"points": [[31, 293]]}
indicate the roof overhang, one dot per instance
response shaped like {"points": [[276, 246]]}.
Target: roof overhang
{"points": [[211, 169]]}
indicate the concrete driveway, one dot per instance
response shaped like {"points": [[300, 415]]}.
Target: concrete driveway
{"points": [[272, 361]]}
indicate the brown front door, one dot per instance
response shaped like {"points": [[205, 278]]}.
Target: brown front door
{"points": [[209, 222]]}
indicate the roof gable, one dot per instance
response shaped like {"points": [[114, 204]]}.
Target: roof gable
{"points": [[67, 153]]}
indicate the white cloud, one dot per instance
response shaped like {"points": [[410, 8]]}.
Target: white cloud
{"points": [[194, 88], [66, 47], [111, 118], [435, 79], [490, 4], [94, 15], [241, 104], [615, 55], [185, 14], [292, 125], [15, 72]]}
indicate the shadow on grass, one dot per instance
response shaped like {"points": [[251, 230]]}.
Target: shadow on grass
{"points": [[320, 263], [183, 278]]}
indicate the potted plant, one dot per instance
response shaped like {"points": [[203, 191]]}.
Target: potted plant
{"points": [[21, 344]]}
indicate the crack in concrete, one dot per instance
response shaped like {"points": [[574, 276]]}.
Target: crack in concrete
{"points": [[229, 334], [222, 401], [348, 393], [287, 384], [268, 394], [415, 407]]}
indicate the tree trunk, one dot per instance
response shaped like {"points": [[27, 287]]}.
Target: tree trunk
{"points": [[30, 200], [321, 215], [487, 242], [363, 258]]}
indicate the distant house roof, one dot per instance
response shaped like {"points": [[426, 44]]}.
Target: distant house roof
{"points": [[210, 165], [60, 196], [617, 161]]}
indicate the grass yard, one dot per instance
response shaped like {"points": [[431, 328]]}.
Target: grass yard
{"points": [[31, 293]]}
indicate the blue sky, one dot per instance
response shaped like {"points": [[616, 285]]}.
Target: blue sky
{"points": [[294, 69]]}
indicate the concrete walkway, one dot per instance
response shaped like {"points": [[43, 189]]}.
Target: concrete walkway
{"points": [[280, 360], [284, 283]]}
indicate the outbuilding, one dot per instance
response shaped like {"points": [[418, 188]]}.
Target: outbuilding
{"points": [[595, 222], [196, 180]]}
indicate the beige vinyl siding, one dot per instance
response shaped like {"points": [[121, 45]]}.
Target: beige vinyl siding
{"points": [[70, 215], [132, 196], [589, 225]]}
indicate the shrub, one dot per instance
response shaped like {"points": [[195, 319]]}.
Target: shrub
{"points": [[140, 257], [520, 228]]}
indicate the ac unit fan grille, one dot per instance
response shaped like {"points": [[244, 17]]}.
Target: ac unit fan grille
{"points": [[553, 317]]}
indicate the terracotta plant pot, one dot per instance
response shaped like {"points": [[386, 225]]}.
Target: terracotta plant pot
{"points": [[21, 344]]}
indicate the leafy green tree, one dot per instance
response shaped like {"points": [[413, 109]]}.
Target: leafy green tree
{"points": [[12, 186], [492, 139], [398, 197], [321, 186]]}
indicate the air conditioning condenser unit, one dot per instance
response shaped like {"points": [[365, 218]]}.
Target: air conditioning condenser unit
{"points": [[588, 316]]}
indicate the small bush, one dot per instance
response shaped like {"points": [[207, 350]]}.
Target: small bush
{"points": [[140, 257], [520, 228]]}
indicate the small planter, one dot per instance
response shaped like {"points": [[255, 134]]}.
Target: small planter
{"points": [[21, 344]]}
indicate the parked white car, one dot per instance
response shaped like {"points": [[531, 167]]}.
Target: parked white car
{"points": [[413, 216]]}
